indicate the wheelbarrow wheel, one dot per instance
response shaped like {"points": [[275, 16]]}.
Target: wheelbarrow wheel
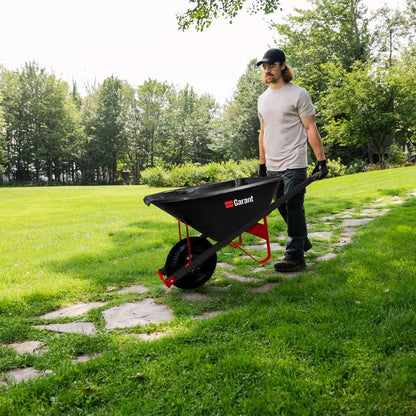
{"points": [[178, 257]]}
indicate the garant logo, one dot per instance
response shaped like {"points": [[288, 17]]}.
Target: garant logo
{"points": [[238, 202]]}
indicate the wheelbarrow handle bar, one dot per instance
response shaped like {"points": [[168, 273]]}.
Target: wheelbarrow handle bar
{"points": [[220, 244]]}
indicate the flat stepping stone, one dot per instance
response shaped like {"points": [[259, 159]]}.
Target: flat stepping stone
{"points": [[195, 297], [374, 212], [328, 218], [368, 211], [343, 242], [262, 247], [345, 214], [348, 232], [255, 247], [240, 278], [86, 328], [275, 247], [22, 374], [81, 359], [134, 288], [151, 337], [28, 347], [356, 222], [207, 315], [132, 314], [264, 288], [321, 234], [327, 256], [213, 288], [226, 266], [72, 311], [383, 205], [291, 274]]}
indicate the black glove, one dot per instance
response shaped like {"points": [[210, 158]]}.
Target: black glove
{"points": [[262, 170], [321, 168]]}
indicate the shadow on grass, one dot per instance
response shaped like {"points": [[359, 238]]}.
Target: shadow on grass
{"points": [[136, 252]]}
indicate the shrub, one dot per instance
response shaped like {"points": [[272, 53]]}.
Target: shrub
{"points": [[155, 177], [395, 155], [356, 166], [336, 168], [186, 175], [195, 174], [214, 172]]}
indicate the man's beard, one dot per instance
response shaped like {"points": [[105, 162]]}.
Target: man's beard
{"points": [[270, 78]]}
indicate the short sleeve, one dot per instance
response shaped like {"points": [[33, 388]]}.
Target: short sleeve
{"points": [[305, 105]]}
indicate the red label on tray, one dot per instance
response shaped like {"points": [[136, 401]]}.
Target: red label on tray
{"points": [[229, 204], [237, 202]]}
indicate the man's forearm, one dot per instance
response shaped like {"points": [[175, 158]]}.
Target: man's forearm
{"points": [[316, 142], [262, 153]]}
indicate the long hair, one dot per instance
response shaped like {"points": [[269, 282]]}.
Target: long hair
{"points": [[287, 74]]}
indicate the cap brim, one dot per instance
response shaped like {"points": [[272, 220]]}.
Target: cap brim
{"points": [[263, 61]]}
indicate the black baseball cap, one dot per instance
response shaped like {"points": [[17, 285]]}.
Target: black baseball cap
{"points": [[272, 56]]}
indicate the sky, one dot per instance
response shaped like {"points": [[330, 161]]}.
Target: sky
{"points": [[87, 41]]}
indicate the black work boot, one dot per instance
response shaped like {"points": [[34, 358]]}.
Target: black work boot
{"points": [[307, 245], [290, 263]]}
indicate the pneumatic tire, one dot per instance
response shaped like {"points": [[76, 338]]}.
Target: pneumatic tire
{"points": [[178, 257]]}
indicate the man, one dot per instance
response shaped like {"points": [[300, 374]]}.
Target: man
{"points": [[287, 123]]}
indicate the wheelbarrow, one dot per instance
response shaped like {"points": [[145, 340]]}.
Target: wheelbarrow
{"points": [[222, 212]]}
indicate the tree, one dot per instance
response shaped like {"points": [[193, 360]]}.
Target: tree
{"points": [[205, 11], [237, 132], [136, 156], [392, 27], [333, 30], [202, 118], [406, 104], [37, 123], [152, 103], [2, 143], [368, 106], [185, 127], [61, 129], [105, 128]]}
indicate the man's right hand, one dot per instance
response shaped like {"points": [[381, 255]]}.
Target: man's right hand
{"points": [[262, 170]]}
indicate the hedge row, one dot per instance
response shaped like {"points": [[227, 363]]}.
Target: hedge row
{"points": [[190, 175]]}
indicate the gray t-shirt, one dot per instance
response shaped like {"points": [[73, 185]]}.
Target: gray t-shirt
{"points": [[285, 138]]}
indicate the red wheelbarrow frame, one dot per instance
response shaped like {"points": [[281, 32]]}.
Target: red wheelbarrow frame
{"points": [[253, 227], [258, 230]]}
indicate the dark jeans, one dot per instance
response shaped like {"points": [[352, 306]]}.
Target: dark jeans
{"points": [[292, 211]]}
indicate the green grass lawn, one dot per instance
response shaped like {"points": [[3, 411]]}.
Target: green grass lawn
{"points": [[339, 339]]}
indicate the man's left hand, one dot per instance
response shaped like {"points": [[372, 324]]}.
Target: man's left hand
{"points": [[321, 168]]}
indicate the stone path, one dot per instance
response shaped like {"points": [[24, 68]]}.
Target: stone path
{"points": [[148, 311], [133, 314]]}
